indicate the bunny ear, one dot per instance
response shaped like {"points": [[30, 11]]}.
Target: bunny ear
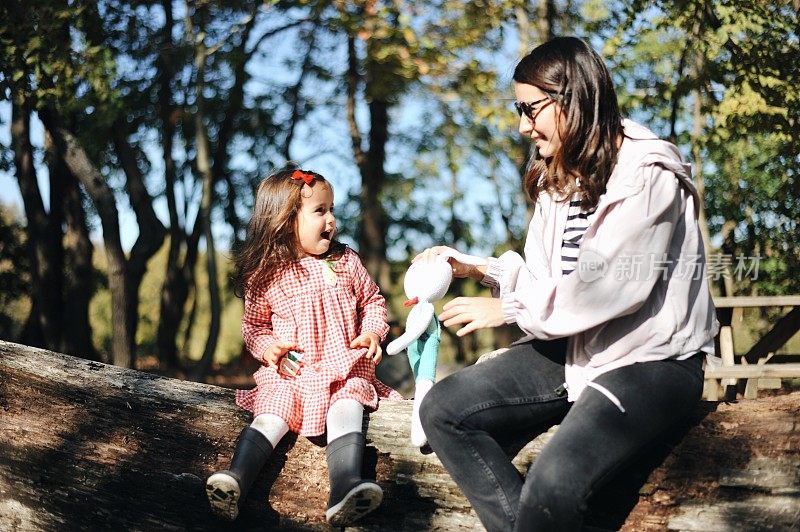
{"points": [[416, 324], [463, 258]]}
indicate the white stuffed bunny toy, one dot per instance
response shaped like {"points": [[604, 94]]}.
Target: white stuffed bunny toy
{"points": [[424, 283]]}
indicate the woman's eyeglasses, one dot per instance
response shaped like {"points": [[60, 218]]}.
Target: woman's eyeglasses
{"points": [[529, 108]]}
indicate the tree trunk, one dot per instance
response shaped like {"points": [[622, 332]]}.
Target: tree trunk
{"points": [[227, 127], [44, 323], [79, 275], [206, 205], [184, 282], [546, 15], [53, 280], [697, 131], [103, 198], [173, 290], [372, 224], [61, 180], [131, 451], [151, 230]]}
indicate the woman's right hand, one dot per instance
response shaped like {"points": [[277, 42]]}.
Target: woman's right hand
{"points": [[459, 268], [276, 351]]}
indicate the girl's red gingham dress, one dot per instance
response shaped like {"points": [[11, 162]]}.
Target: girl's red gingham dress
{"points": [[299, 305]]}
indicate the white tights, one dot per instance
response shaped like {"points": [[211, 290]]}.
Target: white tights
{"points": [[271, 426], [344, 416]]}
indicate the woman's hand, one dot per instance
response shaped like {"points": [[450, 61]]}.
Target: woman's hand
{"points": [[475, 312], [459, 268], [373, 342], [277, 350]]}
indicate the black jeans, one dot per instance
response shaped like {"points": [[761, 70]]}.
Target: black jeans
{"points": [[478, 419]]}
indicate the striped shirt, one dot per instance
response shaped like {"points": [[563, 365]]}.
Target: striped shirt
{"points": [[578, 222]]}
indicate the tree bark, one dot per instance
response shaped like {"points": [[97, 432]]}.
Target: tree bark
{"points": [[103, 198]]}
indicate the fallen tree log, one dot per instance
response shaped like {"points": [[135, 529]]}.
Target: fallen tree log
{"points": [[88, 445], [91, 446]]}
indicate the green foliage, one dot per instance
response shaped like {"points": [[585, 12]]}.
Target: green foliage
{"points": [[454, 156], [738, 61], [47, 51], [462, 179], [230, 335], [14, 276], [230, 340]]}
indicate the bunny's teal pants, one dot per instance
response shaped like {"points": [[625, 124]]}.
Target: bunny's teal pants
{"points": [[424, 351]]}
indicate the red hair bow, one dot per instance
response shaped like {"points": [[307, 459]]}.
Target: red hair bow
{"points": [[303, 176]]}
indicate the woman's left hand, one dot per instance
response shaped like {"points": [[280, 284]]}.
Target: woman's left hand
{"points": [[476, 312], [373, 342]]}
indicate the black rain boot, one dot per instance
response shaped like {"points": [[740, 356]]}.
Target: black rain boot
{"points": [[226, 488], [352, 497]]}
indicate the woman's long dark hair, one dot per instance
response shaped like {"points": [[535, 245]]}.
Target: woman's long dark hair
{"points": [[271, 240], [590, 125]]}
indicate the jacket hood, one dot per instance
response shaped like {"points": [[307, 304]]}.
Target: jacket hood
{"points": [[642, 147]]}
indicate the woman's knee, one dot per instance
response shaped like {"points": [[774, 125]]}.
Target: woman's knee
{"points": [[544, 478], [552, 495]]}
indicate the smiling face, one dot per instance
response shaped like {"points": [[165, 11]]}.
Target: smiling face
{"points": [[316, 224], [542, 128]]}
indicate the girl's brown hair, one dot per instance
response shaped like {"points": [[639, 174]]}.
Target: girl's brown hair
{"points": [[590, 125], [271, 241]]}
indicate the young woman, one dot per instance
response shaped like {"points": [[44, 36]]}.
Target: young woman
{"points": [[611, 295]]}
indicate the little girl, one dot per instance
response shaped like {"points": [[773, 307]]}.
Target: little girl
{"points": [[315, 320]]}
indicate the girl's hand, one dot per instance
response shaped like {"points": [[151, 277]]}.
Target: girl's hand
{"points": [[459, 268], [476, 312], [373, 342], [277, 350]]}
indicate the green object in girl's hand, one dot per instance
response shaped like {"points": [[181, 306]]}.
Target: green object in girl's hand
{"points": [[290, 364]]}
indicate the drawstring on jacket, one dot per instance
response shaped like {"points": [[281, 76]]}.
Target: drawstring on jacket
{"points": [[605, 391]]}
